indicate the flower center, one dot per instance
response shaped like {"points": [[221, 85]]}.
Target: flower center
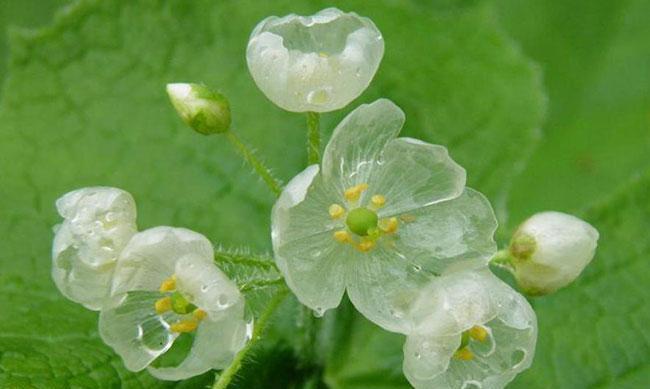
{"points": [[362, 221], [175, 301], [476, 333]]}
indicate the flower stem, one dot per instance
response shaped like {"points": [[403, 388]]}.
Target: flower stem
{"points": [[313, 137], [262, 323], [249, 156], [502, 259]]}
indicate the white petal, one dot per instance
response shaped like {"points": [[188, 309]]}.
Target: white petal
{"points": [[215, 344], [451, 235], [151, 256], [564, 246], [98, 223], [132, 328], [413, 174], [357, 142], [314, 63]]}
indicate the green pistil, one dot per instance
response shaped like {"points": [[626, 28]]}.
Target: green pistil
{"points": [[180, 304], [362, 221]]}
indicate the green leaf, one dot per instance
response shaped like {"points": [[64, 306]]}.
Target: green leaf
{"points": [[84, 104]]}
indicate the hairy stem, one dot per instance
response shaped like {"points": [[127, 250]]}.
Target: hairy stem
{"points": [[262, 323], [257, 165], [313, 137]]}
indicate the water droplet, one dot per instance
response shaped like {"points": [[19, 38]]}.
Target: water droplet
{"points": [[417, 355], [396, 313], [417, 268], [204, 288], [223, 300], [250, 326]]}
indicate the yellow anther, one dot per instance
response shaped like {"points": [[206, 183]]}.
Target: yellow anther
{"points": [[389, 226], [407, 218], [353, 193], [464, 354], [378, 200], [336, 211], [366, 246], [163, 305], [184, 326], [478, 333], [168, 285], [342, 236], [199, 314]]}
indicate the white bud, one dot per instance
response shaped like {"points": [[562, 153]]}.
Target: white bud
{"points": [[550, 250], [206, 111], [316, 63]]}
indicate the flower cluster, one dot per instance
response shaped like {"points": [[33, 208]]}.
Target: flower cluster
{"points": [[160, 296]]}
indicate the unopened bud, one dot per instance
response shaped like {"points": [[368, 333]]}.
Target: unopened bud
{"points": [[206, 111]]}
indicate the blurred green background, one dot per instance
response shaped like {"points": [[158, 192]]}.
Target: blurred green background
{"points": [[546, 103]]}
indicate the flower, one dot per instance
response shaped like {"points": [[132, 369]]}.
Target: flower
{"points": [[473, 331], [314, 63], [550, 250], [98, 223], [172, 309], [206, 111], [378, 218]]}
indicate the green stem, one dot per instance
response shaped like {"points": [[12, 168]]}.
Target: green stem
{"points": [[257, 165], [262, 323], [313, 137], [503, 259]]}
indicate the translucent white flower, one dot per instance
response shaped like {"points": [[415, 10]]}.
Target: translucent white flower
{"points": [[473, 331], [98, 222], [314, 63], [378, 218], [172, 309], [550, 250]]}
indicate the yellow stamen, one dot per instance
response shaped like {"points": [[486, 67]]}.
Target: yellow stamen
{"points": [[342, 236], [407, 218], [199, 314], [389, 226], [336, 211], [163, 305], [478, 333], [464, 354], [168, 285], [184, 326], [353, 193], [366, 246], [378, 200]]}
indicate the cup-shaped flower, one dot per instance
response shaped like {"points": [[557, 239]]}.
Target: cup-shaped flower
{"points": [[98, 223], [314, 63], [473, 331], [204, 110], [550, 250], [172, 309], [378, 218]]}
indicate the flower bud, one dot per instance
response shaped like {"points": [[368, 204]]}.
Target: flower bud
{"points": [[550, 250], [206, 111]]}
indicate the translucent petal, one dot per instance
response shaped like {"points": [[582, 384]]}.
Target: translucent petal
{"points": [[357, 143], [305, 250], [99, 221], [215, 344], [472, 299], [565, 245], [382, 284], [314, 63], [151, 256], [413, 174], [205, 285], [452, 235], [132, 328]]}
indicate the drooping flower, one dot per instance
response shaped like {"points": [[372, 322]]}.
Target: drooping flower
{"points": [[172, 309], [550, 250], [98, 223], [378, 218], [472, 331], [314, 63]]}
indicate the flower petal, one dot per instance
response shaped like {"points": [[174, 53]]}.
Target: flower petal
{"points": [[414, 174], [452, 235], [132, 328], [426, 357], [358, 141], [99, 221], [151, 256], [215, 344]]}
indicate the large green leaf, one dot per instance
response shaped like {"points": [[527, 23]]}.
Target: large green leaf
{"points": [[84, 104]]}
